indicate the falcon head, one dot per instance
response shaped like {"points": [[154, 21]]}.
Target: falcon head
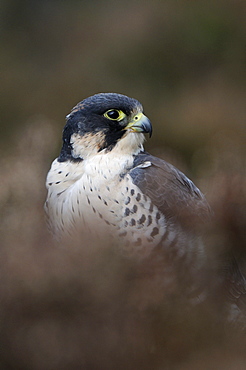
{"points": [[105, 121]]}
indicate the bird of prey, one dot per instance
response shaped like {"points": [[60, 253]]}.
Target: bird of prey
{"points": [[104, 181]]}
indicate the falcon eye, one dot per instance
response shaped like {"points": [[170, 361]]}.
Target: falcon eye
{"points": [[114, 114]]}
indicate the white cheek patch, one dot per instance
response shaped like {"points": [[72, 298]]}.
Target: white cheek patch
{"points": [[86, 145], [90, 144]]}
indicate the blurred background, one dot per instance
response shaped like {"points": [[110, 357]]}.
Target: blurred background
{"points": [[185, 61]]}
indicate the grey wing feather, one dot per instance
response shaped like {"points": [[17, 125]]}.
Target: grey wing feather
{"points": [[170, 190], [235, 283]]}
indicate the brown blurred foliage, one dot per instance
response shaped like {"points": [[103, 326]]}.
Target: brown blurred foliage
{"points": [[85, 306]]}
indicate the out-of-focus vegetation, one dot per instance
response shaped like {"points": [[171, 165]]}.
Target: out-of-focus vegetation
{"points": [[82, 308], [185, 61]]}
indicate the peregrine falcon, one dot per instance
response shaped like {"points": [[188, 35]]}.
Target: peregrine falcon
{"points": [[104, 181]]}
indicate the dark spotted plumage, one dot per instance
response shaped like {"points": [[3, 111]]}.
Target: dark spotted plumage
{"points": [[175, 195]]}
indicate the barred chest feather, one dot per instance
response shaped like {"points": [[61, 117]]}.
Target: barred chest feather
{"points": [[98, 195]]}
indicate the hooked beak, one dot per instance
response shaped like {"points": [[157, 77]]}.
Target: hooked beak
{"points": [[140, 123]]}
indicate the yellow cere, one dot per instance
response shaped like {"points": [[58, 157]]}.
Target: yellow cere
{"points": [[137, 117]]}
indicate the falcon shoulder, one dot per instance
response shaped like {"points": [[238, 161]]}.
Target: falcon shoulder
{"points": [[170, 190]]}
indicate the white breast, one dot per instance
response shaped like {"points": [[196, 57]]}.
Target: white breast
{"points": [[82, 193], [97, 195]]}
